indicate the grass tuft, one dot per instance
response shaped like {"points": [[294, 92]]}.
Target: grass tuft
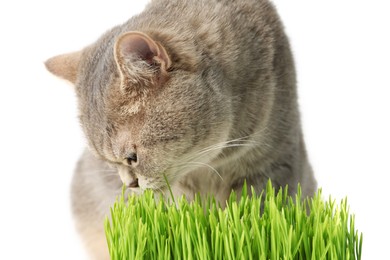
{"points": [[271, 225]]}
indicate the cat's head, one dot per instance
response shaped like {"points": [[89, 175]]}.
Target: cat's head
{"points": [[150, 107]]}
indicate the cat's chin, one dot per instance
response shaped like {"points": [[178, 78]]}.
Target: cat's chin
{"points": [[133, 191], [139, 191]]}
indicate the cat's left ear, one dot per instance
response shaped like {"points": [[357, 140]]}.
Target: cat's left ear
{"points": [[138, 56], [65, 66]]}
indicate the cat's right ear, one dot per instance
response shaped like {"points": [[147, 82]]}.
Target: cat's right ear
{"points": [[141, 59], [65, 66]]}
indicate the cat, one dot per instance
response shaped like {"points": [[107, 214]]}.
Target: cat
{"points": [[202, 93]]}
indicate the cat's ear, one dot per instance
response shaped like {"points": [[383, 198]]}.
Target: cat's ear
{"points": [[65, 66], [141, 58]]}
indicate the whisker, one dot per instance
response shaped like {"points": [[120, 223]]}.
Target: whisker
{"points": [[241, 141], [194, 160], [204, 152], [184, 165], [109, 175], [105, 171], [226, 146]]}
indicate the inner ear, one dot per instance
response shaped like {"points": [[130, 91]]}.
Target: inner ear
{"points": [[137, 45]]}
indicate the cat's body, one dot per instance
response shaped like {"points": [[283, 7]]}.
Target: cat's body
{"points": [[201, 91]]}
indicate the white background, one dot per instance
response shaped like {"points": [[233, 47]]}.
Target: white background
{"points": [[343, 60]]}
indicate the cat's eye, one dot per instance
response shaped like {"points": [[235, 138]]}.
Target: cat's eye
{"points": [[131, 159]]}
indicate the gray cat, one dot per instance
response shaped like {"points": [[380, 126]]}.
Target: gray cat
{"points": [[202, 92]]}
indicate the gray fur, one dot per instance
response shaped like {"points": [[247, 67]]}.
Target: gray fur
{"points": [[226, 111]]}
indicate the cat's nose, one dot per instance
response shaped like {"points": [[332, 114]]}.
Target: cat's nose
{"points": [[132, 159]]}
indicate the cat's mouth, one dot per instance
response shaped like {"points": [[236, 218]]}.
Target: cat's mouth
{"points": [[159, 192], [134, 183], [139, 185]]}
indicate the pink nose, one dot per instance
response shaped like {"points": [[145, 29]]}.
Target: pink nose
{"points": [[134, 183]]}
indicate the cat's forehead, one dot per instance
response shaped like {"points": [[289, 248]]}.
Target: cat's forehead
{"points": [[97, 66]]}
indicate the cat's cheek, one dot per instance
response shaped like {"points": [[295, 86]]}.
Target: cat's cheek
{"points": [[143, 182], [149, 183]]}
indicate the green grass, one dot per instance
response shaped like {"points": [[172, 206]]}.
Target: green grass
{"points": [[145, 229]]}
